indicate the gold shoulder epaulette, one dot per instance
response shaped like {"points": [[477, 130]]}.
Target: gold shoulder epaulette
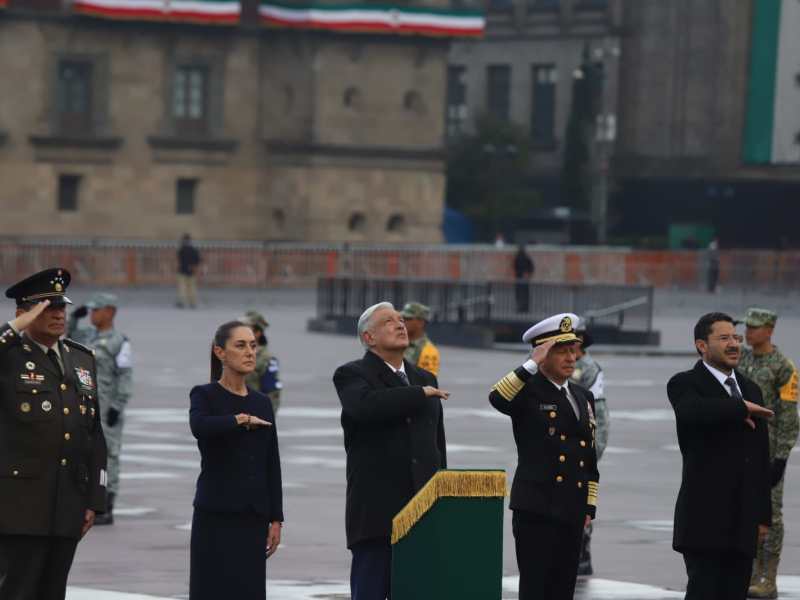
{"points": [[509, 386]]}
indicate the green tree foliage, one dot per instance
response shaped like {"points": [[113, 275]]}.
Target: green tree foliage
{"points": [[486, 176]]}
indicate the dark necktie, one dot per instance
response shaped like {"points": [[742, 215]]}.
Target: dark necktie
{"points": [[403, 377], [735, 393], [51, 354], [566, 399]]}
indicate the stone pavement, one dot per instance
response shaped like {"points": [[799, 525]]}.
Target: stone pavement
{"points": [[146, 552]]}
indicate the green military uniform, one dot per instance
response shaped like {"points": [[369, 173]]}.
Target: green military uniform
{"points": [[52, 450], [265, 377], [421, 352], [777, 377], [114, 382]]}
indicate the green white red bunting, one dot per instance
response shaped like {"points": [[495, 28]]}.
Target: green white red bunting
{"points": [[374, 19], [213, 12]]}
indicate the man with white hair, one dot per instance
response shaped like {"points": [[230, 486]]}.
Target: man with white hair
{"points": [[394, 438]]}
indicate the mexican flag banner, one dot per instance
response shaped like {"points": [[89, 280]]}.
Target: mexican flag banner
{"points": [[362, 18], [772, 123], [207, 12]]}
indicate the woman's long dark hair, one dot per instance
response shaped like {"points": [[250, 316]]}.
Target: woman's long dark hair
{"points": [[220, 339]]}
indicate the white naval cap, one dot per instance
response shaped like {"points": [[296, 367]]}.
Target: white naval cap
{"points": [[558, 328]]}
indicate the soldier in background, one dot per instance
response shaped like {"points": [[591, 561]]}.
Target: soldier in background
{"points": [[590, 375], [265, 378], [114, 379], [421, 351], [776, 375]]}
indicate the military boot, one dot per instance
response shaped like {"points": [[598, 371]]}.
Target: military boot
{"points": [[107, 518], [768, 588], [758, 569]]}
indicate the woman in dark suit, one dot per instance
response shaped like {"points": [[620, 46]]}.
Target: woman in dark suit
{"points": [[238, 506]]}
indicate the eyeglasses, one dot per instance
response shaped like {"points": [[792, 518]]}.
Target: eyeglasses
{"points": [[725, 339]]}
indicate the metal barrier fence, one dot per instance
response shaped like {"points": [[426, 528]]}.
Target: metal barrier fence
{"points": [[619, 307], [255, 264]]}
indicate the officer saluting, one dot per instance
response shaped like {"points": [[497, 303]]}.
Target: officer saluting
{"points": [[52, 450], [554, 494]]}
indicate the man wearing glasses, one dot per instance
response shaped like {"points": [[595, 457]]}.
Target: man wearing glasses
{"points": [[723, 507]]}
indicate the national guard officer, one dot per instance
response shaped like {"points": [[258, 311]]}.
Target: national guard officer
{"points": [[589, 374], [52, 450], [266, 376], [420, 351], [554, 494], [776, 375], [114, 379]]}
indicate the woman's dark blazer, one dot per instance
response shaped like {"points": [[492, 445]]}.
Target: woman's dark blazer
{"points": [[725, 492], [241, 470]]}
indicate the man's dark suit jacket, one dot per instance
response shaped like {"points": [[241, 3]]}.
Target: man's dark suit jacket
{"points": [[394, 439], [557, 473], [725, 492]]}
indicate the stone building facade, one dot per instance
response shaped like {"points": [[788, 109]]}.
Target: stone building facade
{"points": [[135, 129]]}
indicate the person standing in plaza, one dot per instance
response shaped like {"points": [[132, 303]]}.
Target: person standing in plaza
{"points": [[590, 376], [238, 505], [723, 506], [776, 375], [393, 427], [554, 494], [420, 351], [114, 358], [52, 450], [524, 269], [188, 262], [266, 376]]}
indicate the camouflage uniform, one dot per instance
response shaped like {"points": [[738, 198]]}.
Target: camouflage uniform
{"points": [[589, 375], [114, 379], [264, 378], [421, 352], [777, 377]]}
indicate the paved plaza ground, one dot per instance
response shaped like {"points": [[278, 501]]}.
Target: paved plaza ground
{"points": [[145, 554]]}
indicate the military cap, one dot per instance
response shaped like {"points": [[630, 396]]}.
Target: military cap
{"points": [[558, 328], [50, 284], [101, 300], [760, 317], [253, 318], [416, 310]]}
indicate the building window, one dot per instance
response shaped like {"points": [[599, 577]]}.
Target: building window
{"points": [[279, 218], [190, 99], [68, 189], [74, 97], [352, 97], [591, 4], [456, 101], [184, 196], [544, 5], [543, 105], [501, 6], [412, 102], [498, 91], [396, 224], [357, 222]]}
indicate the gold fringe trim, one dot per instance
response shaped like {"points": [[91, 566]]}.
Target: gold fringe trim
{"points": [[447, 484]]}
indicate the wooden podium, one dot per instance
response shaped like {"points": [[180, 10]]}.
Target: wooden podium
{"points": [[447, 542]]}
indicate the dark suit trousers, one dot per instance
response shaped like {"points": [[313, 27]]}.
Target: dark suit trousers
{"points": [[35, 567], [547, 556], [371, 570], [717, 575]]}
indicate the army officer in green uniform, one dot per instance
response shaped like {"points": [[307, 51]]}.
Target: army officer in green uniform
{"points": [[52, 450], [114, 378]]}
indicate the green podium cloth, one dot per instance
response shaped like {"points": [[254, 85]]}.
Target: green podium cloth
{"points": [[447, 542]]}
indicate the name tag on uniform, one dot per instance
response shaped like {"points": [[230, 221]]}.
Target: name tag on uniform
{"points": [[548, 406]]}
